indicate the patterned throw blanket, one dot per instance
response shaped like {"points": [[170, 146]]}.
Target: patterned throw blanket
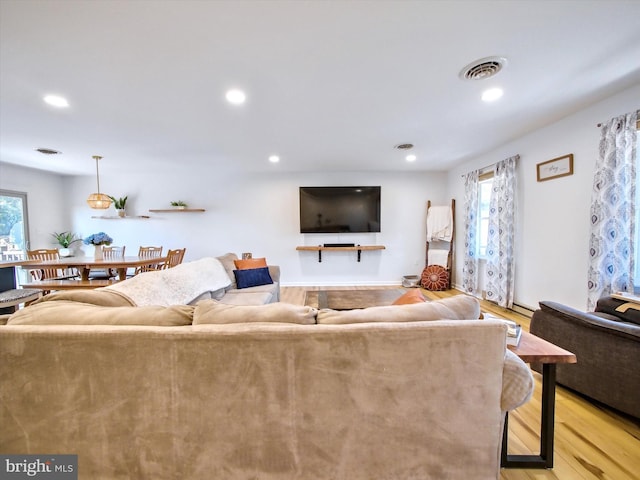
{"points": [[176, 286]]}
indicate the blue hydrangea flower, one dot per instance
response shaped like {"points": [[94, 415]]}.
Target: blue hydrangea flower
{"points": [[99, 238]]}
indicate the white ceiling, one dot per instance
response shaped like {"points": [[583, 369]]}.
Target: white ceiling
{"points": [[331, 85]]}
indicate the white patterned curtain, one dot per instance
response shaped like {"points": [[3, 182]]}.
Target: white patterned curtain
{"points": [[500, 242], [613, 216], [470, 265]]}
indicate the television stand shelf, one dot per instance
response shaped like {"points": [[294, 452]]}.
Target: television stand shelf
{"points": [[356, 248]]}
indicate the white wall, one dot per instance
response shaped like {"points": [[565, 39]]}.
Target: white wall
{"points": [[260, 214], [46, 201], [553, 219]]}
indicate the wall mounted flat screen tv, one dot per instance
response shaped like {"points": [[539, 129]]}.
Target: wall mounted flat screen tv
{"points": [[339, 209]]}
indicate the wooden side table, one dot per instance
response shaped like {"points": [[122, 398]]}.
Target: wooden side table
{"points": [[532, 349]]}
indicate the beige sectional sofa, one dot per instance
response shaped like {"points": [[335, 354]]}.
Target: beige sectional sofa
{"points": [[274, 391]]}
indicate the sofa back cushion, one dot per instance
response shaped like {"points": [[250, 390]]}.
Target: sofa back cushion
{"points": [[211, 311], [228, 262], [65, 312], [460, 307]]}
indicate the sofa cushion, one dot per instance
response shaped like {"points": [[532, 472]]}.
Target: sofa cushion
{"points": [[460, 307], [65, 312], [412, 296], [252, 277], [245, 263], [241, 297], [210, 311]]}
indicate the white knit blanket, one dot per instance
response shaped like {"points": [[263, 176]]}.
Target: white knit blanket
{"points": [[175, 286]]}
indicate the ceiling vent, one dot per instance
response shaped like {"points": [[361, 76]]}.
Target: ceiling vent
{"points": [[404, 146], [483, 68], [47, 151]]}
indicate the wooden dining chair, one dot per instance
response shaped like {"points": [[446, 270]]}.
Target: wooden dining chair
{"points": [[49, 273], [148, 252], [113, 252], [174, 257], [108, 253]]}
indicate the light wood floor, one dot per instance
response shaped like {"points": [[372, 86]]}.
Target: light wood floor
{"points": [[592, 442]]}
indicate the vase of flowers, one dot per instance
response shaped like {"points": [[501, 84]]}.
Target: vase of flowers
{"points": [[97, 240]]}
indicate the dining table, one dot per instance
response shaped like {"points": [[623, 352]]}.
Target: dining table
{"points": [[85, 264]]}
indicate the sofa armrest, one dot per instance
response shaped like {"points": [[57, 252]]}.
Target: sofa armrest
{"points": [[607, 350], [517, 382], [274, 271], [595, 320]]}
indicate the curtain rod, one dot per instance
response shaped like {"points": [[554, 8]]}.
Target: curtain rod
{"points": [[637, 121], [483, 170], [486, 167]]}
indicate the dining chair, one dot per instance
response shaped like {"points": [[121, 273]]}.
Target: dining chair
{"points": [[49, 273], [174, 257], [108, 253], [148, 252]]}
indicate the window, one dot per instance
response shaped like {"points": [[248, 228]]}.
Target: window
{"points": [[14, 231], [485, 185]]}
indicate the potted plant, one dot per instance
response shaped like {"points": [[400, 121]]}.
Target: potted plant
{"points": [[179, 204], [119, 204], [65, 240]]}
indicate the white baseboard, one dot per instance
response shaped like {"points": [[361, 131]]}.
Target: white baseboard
{"points": [[342, 284]]}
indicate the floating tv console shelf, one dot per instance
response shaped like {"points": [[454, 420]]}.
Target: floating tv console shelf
{"points": [[118, 217], [356, 248], [176, 210]]}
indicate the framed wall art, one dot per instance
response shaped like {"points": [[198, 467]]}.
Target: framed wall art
{"points": [[555, 168]]}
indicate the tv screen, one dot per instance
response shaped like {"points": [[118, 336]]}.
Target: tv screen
{"points": [[339, 209]]}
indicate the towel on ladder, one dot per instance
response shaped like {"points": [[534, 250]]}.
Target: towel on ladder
{"points": [[439, 223]]}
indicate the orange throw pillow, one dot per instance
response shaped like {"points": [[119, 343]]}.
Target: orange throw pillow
{"points": [[412, 296], [250, 263]]}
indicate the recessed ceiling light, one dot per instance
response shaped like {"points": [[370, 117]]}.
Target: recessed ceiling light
{"points": [[235, 96], [56, 101], [411, 158], [492, 94], [274, 158]]}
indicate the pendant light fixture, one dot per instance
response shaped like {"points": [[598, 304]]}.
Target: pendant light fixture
{"points": [[98, 200]]}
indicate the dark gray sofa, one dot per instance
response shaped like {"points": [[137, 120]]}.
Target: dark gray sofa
{"points": [[607, 345]]}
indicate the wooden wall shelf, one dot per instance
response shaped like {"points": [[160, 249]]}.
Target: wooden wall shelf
{"points": [[177, 210], [356, 248]]}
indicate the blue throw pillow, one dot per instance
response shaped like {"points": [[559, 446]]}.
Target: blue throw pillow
{"points": [[252, 277]]}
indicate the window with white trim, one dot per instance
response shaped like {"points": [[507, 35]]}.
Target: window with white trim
{"points": [[485, 184], [14, 228]]}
